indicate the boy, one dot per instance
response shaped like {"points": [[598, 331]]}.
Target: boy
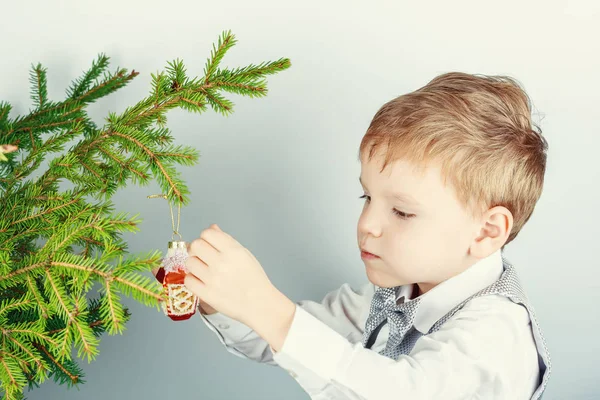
{"points": [[451, 172]]}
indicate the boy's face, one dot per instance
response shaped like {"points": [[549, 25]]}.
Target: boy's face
{"points": [[428, 245]]}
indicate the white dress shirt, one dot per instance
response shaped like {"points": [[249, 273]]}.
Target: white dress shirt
{"points": [[485, 351]]}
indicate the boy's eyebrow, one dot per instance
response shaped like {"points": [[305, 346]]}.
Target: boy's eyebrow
{"points": [[400, 196]]}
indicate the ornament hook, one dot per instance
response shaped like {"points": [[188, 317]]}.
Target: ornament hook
{"points": [[166, 197]]}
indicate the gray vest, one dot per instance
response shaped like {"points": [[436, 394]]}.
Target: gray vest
{"points": [[507, 285]]}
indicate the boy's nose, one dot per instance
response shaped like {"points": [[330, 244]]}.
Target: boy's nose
{"points": [[369, 226]]}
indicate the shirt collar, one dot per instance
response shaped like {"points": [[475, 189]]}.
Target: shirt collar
{"points": [[438, 301]]}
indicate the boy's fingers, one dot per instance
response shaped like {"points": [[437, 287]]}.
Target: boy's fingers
{"points": [[188, 245]]}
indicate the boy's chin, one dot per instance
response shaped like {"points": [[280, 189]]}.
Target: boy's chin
{"points": [[380, 279]]}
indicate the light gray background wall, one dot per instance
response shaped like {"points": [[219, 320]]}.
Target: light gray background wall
{"points": [[280, 174]]}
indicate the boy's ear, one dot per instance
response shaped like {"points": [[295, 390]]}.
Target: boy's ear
{"points": [[496, 225]]}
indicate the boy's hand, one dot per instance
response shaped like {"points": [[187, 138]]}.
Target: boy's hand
{"points": [[205, 309], [226, 275]]}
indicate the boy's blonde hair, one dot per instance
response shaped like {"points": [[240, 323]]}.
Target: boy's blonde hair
{"points": [[478, 129]]}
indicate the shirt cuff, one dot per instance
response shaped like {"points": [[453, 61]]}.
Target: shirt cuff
{"points": [[229, 330], [314, 345]]}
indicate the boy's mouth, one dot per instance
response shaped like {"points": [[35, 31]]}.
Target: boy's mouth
{"points": [[367, 256]]}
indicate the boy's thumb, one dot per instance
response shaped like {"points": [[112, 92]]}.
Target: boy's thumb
{"points": [[217, 227]]}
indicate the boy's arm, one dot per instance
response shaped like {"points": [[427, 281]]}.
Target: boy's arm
{"points": [[485, 351], [343, 310]]}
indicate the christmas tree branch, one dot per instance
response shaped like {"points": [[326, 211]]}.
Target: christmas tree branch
{"points": [[41, 303], [12, 371], [130, 285], [153, 159], [63, 348], [44, 311], [74, 378], [38, 81], [58, 295], [110, 84], [33, 357], [29, 333], [44, 212]]}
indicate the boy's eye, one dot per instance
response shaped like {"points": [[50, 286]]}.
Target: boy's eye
{"points": [[400, 214]]}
